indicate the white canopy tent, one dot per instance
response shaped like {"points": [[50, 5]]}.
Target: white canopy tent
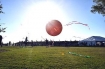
{"points": [[92, 40]]}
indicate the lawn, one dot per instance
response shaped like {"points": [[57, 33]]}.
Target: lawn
{"points": [[40, 57]]}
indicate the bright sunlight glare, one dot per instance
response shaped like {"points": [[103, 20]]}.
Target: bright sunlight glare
{"points": [[37, 16]]}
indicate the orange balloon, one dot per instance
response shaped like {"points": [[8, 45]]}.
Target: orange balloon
{"points": [[54, 27]]}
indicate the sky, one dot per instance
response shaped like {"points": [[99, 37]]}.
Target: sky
{"points": [[29, 18]]}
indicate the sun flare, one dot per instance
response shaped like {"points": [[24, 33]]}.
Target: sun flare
{"points": [[38, 15]]}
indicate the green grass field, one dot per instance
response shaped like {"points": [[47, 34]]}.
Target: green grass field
{"points": [[40, 57]]}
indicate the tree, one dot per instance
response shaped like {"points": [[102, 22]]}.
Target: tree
{"points": [[99, 7], [1, 8], [1, 29]]}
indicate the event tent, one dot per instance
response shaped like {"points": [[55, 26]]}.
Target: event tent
{"points": [[92, 40]]}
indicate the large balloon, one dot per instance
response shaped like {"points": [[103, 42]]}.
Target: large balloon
{"points": [[54, 27]]}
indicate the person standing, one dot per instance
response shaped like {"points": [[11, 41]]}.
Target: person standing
{"points": [[26, 40], [32, 43], [1, 40], [52, 43], [46, 43]]}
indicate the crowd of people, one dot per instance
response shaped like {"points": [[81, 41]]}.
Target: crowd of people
{"points": [[32, 43], [46, 43]]}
